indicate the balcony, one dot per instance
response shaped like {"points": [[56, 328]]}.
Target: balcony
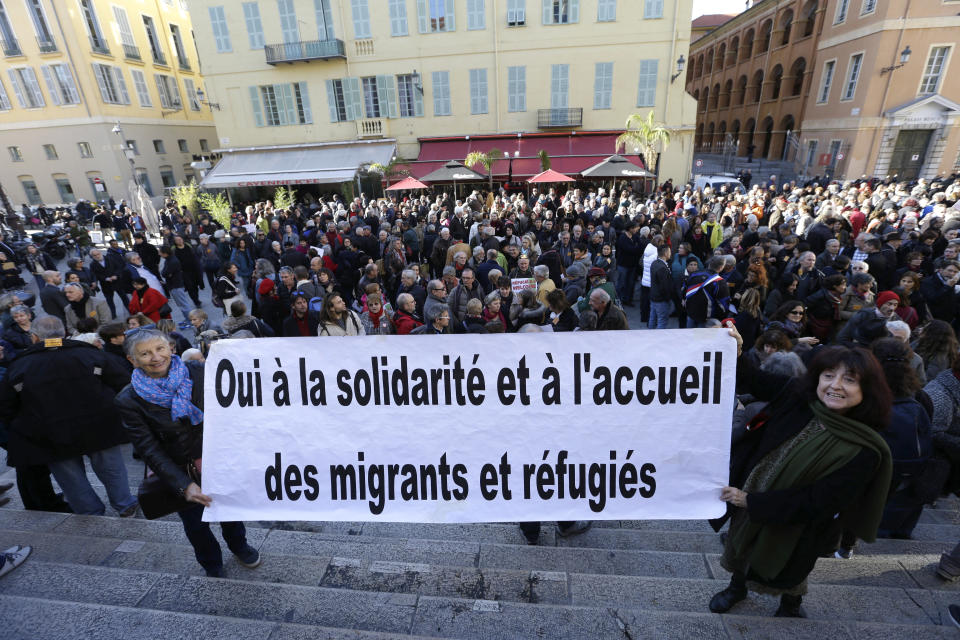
{"points": [[363, 47], [46, 45], [131, 52], [559, 118], [99, 45], [304, 50], [11, 48], [371, 128]]}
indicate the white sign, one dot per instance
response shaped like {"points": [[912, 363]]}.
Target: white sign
{"points": [[839, 156], [699, 163], [478, 428], [522, 284], [915, 157]]}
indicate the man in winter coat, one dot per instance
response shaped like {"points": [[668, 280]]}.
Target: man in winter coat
{"points": [[461, 294], [82, 422], [662, 289]]}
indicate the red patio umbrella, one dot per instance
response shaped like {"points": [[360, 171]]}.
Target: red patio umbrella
{"points": [[550, 176], [407, 184]]}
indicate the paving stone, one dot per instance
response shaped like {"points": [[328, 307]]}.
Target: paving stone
{"points": [[52, 547], [137, 529], [654, 540], [491, 533], [665, 625], [30, 520], [75, 583], [866, 571], [599, 561]]}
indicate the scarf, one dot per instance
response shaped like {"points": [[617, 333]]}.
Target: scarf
{"points": [[80, 306], [172, 391], [768, 548]]}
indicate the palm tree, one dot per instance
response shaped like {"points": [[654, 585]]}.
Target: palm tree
{"points": [[486, 159], [645, 135]]}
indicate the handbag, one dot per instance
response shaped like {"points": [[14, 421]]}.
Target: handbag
{"points": [[158, 499], [165, 310]]}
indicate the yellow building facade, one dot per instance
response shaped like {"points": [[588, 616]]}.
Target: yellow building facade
{"points": [[289, 73], [95, 94]]}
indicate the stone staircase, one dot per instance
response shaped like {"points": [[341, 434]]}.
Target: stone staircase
{"points": [[106, 577]]}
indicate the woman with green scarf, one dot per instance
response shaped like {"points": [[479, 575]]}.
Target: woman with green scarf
{"points": [[811, 465]]}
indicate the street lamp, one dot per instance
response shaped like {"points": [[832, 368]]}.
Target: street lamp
{"points": [[680, 64], [512, 156], [904, 59], [127, 151], [200, 97]]}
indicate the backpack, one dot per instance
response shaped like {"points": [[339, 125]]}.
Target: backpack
{"points": [[315, 305]]}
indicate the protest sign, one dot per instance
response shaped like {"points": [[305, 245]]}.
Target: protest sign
{"points": [[522, 284], [479, 428]]}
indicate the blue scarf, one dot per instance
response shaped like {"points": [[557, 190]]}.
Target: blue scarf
{"points": [[172, 391]]}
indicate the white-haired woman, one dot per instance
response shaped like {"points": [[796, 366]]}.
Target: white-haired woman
{"points": [[162, 412]]}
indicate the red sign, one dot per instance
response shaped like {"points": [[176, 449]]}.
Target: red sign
{"points": [[824, 159], [839, 156], [699, 163]]}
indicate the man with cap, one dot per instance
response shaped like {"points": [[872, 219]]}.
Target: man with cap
{"points": [[866, 324], [893, 241], [597, 279]]}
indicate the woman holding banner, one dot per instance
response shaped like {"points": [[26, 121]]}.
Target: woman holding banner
{"points": [[162, 412], [811, 464]]}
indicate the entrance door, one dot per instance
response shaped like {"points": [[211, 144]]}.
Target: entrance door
{"points": [[909, 153]]}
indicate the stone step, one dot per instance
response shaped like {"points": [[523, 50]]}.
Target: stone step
{"points": [[42, 619], [600, 606]]}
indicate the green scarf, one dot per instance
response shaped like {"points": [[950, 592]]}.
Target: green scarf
{"points": [[768, 548]]}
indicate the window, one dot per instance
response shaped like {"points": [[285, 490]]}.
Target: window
{"points": [[65, 190], [324, 19], [4, 98], [155, 48], [561, 11], [132, 145], [277, 105], [441, 93], [606, 10], [169, 91], [93, 27], [398, 18], [516, 13], [647, 91], [652, 9], [182, 145], [140, 85], [51, 152], [85, 150], [178, 47], [868, 7], [559, 86], [204, 146], [251, 15], [30, 188], [63, 90], [167, 177], [409, 96], [26, 88], [7, 38], [603, 86], [218, 22], [476, 15], [336, 100], [826, 81], [435, 16], [40, 25], [192, 99], [516, 88], [371, 98], [933, 72], [853, 74], [158, 146], [811, 152], [129, 45], [113, 88], [15, 154], [478, 91], [143, 178], [361, 18], [841, 15], [288, 21]]}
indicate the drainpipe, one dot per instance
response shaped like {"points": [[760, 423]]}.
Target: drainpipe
{"points": [[496, 60], [886, 88], [66, 46]]}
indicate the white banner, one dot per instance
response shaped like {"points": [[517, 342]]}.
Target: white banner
{"points": [[479, 428]]}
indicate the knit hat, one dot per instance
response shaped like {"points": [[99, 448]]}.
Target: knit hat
{"points": [[596, 271], [266, 286], [885, 297]]}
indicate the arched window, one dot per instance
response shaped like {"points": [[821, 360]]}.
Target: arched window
{"points": [[722, 56], [797, 71], [715, 95], [741, 90], [699, 71], [758, 85], [786, 23], [734, 54], [810, 17], [765, 30], [776, 80], [747, 50], [727, 93], [706, 99], [709, 62]]}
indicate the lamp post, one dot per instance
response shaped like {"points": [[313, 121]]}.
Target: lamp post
{"points": [[904, 59], [201, 98], [515, 154], [128, 152], [680, 64]]}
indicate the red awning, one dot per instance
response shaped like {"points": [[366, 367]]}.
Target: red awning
{"points": [[570, 153]]}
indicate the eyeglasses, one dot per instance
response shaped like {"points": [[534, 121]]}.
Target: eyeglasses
{"points": [[795, 313]]}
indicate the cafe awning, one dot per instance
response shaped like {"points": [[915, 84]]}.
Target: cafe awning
{"points": [[315, 163]]}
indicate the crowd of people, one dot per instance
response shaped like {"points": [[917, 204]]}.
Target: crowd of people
{"points": [[843, 298]]}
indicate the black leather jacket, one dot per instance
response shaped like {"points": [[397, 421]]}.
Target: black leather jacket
{"points": [[166, 445]]}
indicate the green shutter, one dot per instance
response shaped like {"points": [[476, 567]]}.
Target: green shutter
{"points": [[387, 91], [451, 19], [423, 16], [255, 102], [573, 13], [332, 101], [417, 102], [547, 11], [305, 103], [353, 98]]}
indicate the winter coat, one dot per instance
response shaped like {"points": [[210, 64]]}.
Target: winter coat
{"points": [[352, 326], [148, 302], [404, 323], [944, 393], [458, 300], [93, 308], [81, 420]]}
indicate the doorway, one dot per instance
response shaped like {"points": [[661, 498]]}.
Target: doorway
{"points": [[910, 153]]}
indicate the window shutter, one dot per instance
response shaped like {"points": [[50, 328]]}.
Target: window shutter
{"points": [[423, 16], [305, 103], [450, 22], [288, 102], [417, 101], [398, 18], [101, 82], [18, 90], [328, 20], [547, 11], [476, 18], [30, 77], [573, 13], [255, 103], [353, 98], [51, 84], [4, 100], [332, 101], [121, 85], [65, 75], [387, 91]]}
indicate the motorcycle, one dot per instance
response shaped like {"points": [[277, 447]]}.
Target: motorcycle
{"points": [[55, 241]]}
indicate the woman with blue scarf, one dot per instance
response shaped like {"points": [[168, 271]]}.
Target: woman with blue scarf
{"points": [[162, 411]]}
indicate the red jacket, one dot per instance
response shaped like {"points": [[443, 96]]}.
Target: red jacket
{"points": [[404, 323], [149, 305]]}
